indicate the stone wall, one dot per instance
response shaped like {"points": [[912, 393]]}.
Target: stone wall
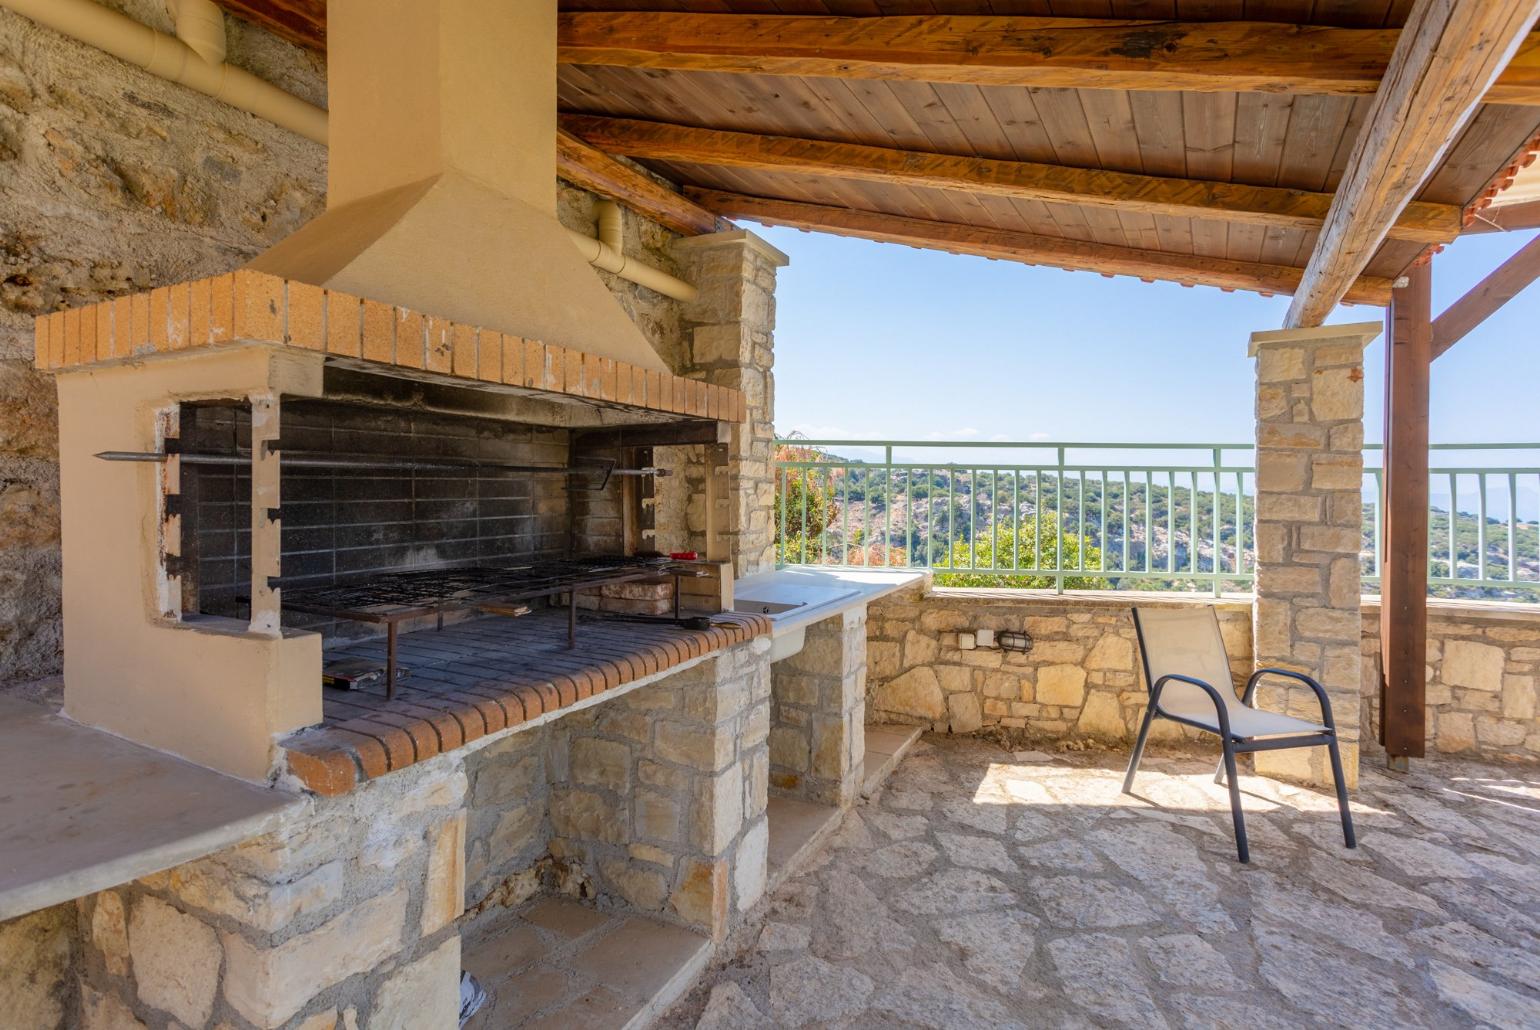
{"points": [[346, 915], [1483, 678], [1082, 679], [111, 182]]}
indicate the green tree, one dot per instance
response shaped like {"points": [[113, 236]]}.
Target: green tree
{"points": [[806, 497], [984, 550]]}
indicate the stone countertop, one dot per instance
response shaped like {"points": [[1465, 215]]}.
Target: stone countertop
{"points": [[828, 591], [84, 810]]}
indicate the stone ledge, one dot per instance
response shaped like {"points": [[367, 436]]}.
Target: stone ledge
{"points": [[1087, 598], [1481, 611], [252, 307], [442, 708]]}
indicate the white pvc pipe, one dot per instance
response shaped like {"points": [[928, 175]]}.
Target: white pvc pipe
{"points": [[201, 25], [605, 252], [171, 59]]}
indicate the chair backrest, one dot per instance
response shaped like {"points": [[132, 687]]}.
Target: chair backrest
{"points": [[1185, 641]]}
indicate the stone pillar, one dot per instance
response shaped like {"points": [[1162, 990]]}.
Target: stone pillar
{"points": [[659, 795], [730, 325], [818, 713], [1309, 519]]}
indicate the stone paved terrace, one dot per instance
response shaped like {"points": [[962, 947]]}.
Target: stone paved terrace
{"points": [[985, 890]]}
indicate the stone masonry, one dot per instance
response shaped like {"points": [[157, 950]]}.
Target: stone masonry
{"points": [[730, 326], [350, 914], [1309, 511], [1081, 680], [660, 795], [1483, 678], [345, 915], [113, 181], [817, 747]]}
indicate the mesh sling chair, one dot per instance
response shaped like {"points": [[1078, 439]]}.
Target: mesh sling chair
{"points": [[1188, 676]]}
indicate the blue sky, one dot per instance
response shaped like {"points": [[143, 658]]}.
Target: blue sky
{"points": [[881, 341]]}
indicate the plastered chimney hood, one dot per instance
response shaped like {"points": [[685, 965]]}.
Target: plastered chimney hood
{"points": [[441, 181]]}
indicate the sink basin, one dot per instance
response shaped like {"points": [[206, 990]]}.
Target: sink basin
{"points": [[795, 597], [771, 608]]}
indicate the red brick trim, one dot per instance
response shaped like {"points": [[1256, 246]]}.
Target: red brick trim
{"points": [[364, 736]]}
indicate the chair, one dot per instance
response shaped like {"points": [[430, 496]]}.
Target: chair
{"points": [[1184, 658]]}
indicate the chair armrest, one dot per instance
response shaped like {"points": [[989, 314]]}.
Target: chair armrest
{"points": [[1320, 691], [1220, 708]]}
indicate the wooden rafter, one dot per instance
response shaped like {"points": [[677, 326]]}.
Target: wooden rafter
{"points": [[1027, 248], [1486, 297], [1504, 219], [582, 165], [299, 21], [1023, 180], [1069, 53], [1448, 56]]}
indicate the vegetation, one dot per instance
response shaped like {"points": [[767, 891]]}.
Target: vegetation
{"points": [[1010, 549], [957, 517]]}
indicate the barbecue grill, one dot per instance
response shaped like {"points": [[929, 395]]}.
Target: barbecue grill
{"points": [[390, 599]]}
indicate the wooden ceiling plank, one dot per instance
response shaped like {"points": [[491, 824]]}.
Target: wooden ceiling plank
{"points": [[1486, 297], [1091, 187], [1447, 57], [1196, 56], [599, 173], [1021, 246]]}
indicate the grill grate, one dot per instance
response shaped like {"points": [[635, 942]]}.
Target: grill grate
{"points": [[395, 597]]}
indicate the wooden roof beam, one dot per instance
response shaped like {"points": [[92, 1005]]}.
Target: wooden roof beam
{"points": [[597, 172], [1447, 58], [1486, 297], [1069, 53], [1022, 180], [1026, 248]]}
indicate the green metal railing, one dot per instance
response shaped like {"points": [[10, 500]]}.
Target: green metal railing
{"points": [[1132, 515], [1482, 523]]}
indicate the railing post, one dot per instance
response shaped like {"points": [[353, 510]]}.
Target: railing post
{"points": [[887, 506], [1058, 526], [1218, 474]]}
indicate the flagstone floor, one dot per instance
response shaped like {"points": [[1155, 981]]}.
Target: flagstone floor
{"points": [[981, 889]]}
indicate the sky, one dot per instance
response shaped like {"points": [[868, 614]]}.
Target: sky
{"points": [[883, 341]]}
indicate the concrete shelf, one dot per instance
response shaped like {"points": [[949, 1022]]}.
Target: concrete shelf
{"points": [[85, 810]]}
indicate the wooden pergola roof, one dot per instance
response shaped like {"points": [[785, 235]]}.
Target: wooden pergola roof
{"points": [[1208, 151]]}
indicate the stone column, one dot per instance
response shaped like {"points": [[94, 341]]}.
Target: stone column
{"points": [[660, 795], [730, 325], [1309, 530], [818, 713]]}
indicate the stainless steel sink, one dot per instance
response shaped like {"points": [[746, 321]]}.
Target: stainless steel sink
{"points": [[766, 607]]}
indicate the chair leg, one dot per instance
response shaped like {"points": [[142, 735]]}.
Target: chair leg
{"points": [[1342, 798], [1219, 771], [1241, 848], [1133, 759]]}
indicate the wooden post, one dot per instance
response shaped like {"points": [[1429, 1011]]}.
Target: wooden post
{"points": [[1404, 576]]}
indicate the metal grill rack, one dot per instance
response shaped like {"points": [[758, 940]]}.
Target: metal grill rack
{"points": [[393, 598]]}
